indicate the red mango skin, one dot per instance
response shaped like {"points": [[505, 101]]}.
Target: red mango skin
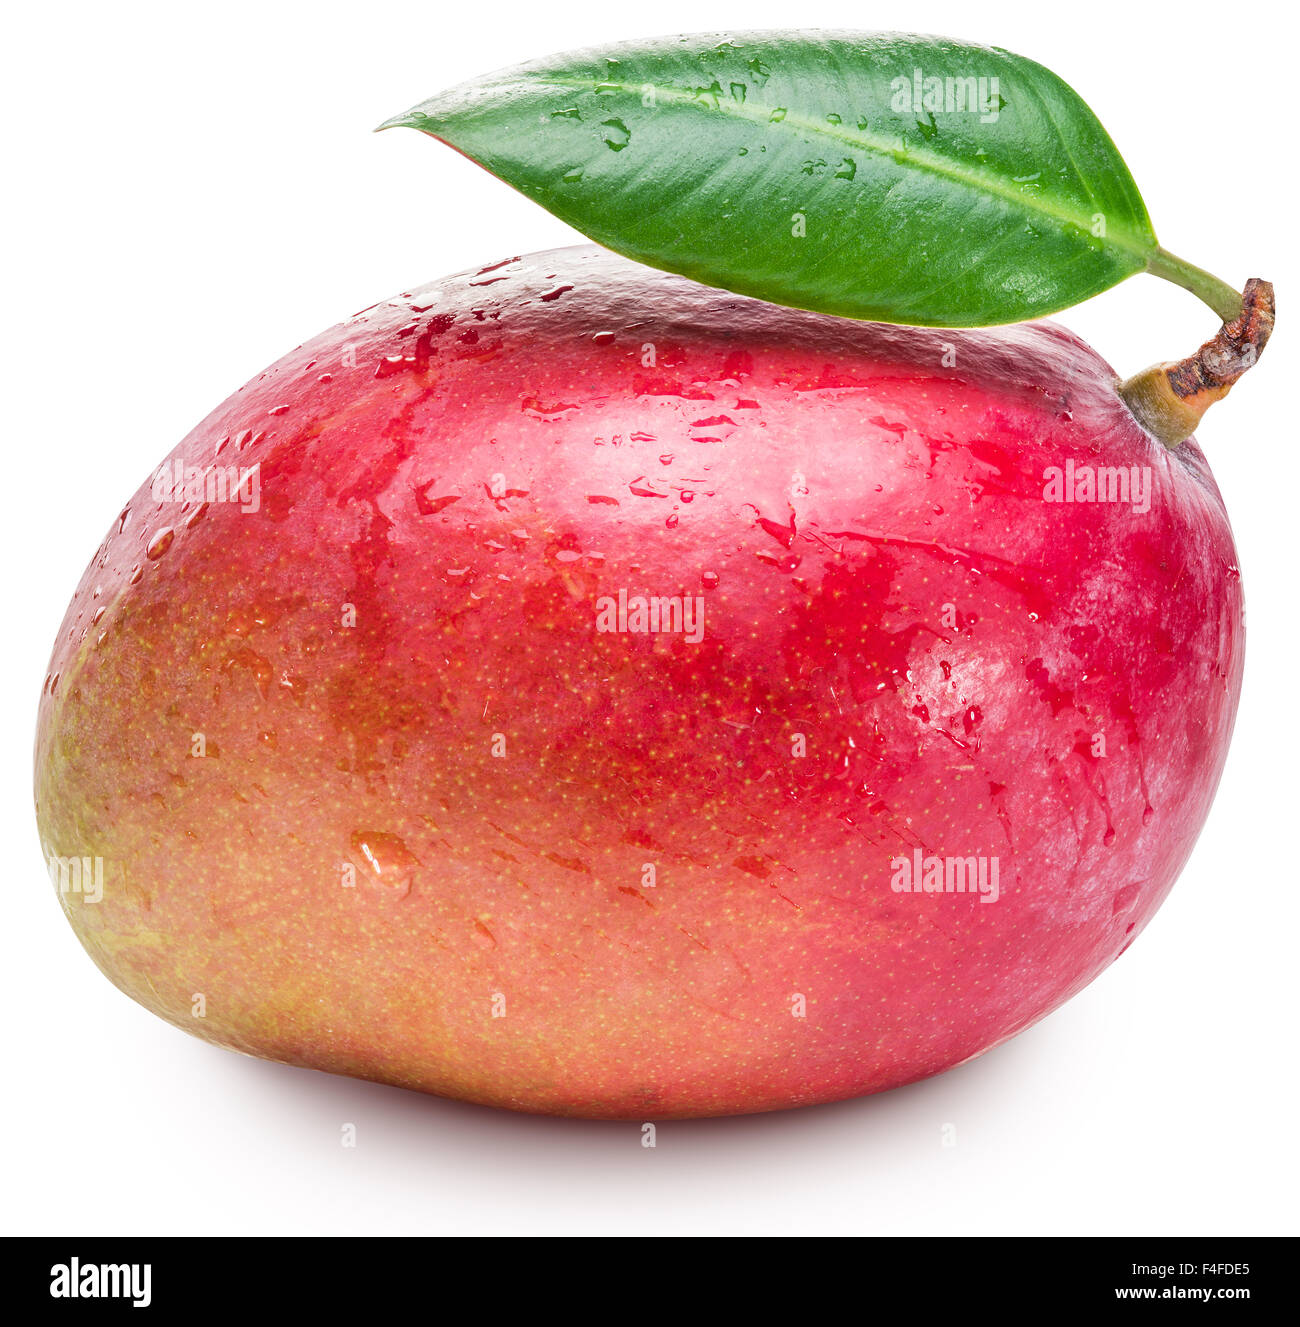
{"points": [[448, 835]]}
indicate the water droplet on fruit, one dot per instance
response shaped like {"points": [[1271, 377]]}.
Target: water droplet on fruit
{"points": [[258, 668], [428, 505], [709, 580], [1148, 813], [391, 863], [160, 543], [777, 115]]}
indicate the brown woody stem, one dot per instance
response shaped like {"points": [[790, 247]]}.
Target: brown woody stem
{"points": [[1169, 399]]}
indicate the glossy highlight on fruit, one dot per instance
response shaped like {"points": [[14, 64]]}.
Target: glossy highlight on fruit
{"points": [[396, 771]]}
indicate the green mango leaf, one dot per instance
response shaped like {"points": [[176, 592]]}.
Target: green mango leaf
{"points": [[898, 178]]}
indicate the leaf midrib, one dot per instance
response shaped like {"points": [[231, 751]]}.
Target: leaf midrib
{"points": [[761, 112]]}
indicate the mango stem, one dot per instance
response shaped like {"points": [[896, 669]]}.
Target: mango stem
{"points": [[1169, 399]]}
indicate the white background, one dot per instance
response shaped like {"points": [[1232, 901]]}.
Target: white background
{"points": [[191, 191]]}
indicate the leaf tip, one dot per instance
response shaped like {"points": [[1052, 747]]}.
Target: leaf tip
{"points": [[411, 119]]}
